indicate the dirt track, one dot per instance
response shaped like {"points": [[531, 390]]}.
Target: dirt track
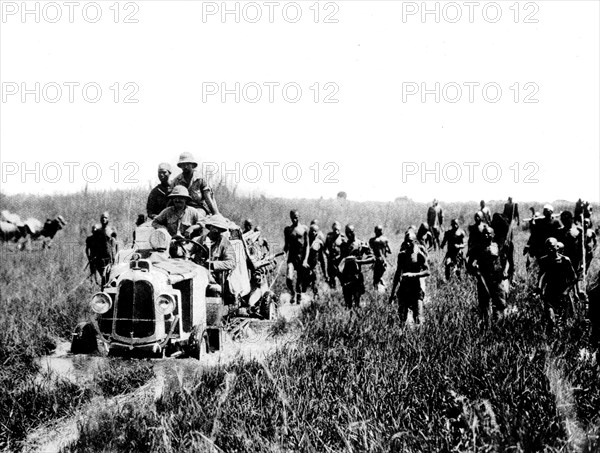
{"points": [[253, 343]]}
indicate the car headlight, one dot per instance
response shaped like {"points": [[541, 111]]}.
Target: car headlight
{"points": [[166, 303], [101, 303]]}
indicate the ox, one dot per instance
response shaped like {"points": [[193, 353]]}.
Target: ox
{"points": [[13, 229], [11, 232], [47, 231]]}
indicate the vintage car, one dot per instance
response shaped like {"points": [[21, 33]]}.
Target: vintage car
{"points": [[159, 306]]}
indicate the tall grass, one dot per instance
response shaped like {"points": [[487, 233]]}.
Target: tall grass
{"points": [[360, 382], [354, 381]]}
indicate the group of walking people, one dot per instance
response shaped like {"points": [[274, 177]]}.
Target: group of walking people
{"points": [[558, 253]]}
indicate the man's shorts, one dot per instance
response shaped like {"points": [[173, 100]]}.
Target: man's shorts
{"points": [[294, 266], [409, 293]]}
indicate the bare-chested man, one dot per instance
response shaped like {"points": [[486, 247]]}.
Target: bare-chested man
{"points": [[435, 219], [316, 256], [490, 267], [412, 267], [425, 238], [541, 230], [511, 211], [104, 248], [381, 249], [354, 254], [333, 244], [455, 238], [557, 284], [571, 236], [486, 213], [582, 209], [474, 243], [296, 246], [315, 223]]}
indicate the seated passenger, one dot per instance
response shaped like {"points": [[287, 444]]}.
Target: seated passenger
{"points": [[221, 254], [180, 220]]}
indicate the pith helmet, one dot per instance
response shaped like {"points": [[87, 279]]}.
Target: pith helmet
{"points": [[180, 192], [217, 221], [187, 158]]}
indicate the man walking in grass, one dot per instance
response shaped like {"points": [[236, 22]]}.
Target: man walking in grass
{"points": [[411, 267], [475, 240], [102, 248], [454, 259], [490, 267], [333, 243], [296, 244], [425, 237], [381, 249], [541, 230], [353, 253], [435, 219], [90, 252], [571, 236], [486, 216], [557, 284], [511, 211], [316, 257]]}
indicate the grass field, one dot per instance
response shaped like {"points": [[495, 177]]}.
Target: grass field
{"points": [[352, 382]]}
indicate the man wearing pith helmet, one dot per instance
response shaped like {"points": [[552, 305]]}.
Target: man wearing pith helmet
{"points": [[222, 255], [199, 190], [179, 219]]}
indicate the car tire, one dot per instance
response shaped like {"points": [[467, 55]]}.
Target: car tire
{"points": [[268, 306], [214, 339], [197, 346], [84, 339]]}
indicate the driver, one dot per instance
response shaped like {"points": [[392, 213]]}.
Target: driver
{"points": [[180, 220]]}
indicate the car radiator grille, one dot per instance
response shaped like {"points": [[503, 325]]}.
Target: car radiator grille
{"points": [[135, 309]]}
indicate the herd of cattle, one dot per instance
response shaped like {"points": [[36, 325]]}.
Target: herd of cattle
{"points": [[13, 229]]}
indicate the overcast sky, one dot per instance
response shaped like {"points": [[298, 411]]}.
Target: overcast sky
{"points": [[510, 107]]}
